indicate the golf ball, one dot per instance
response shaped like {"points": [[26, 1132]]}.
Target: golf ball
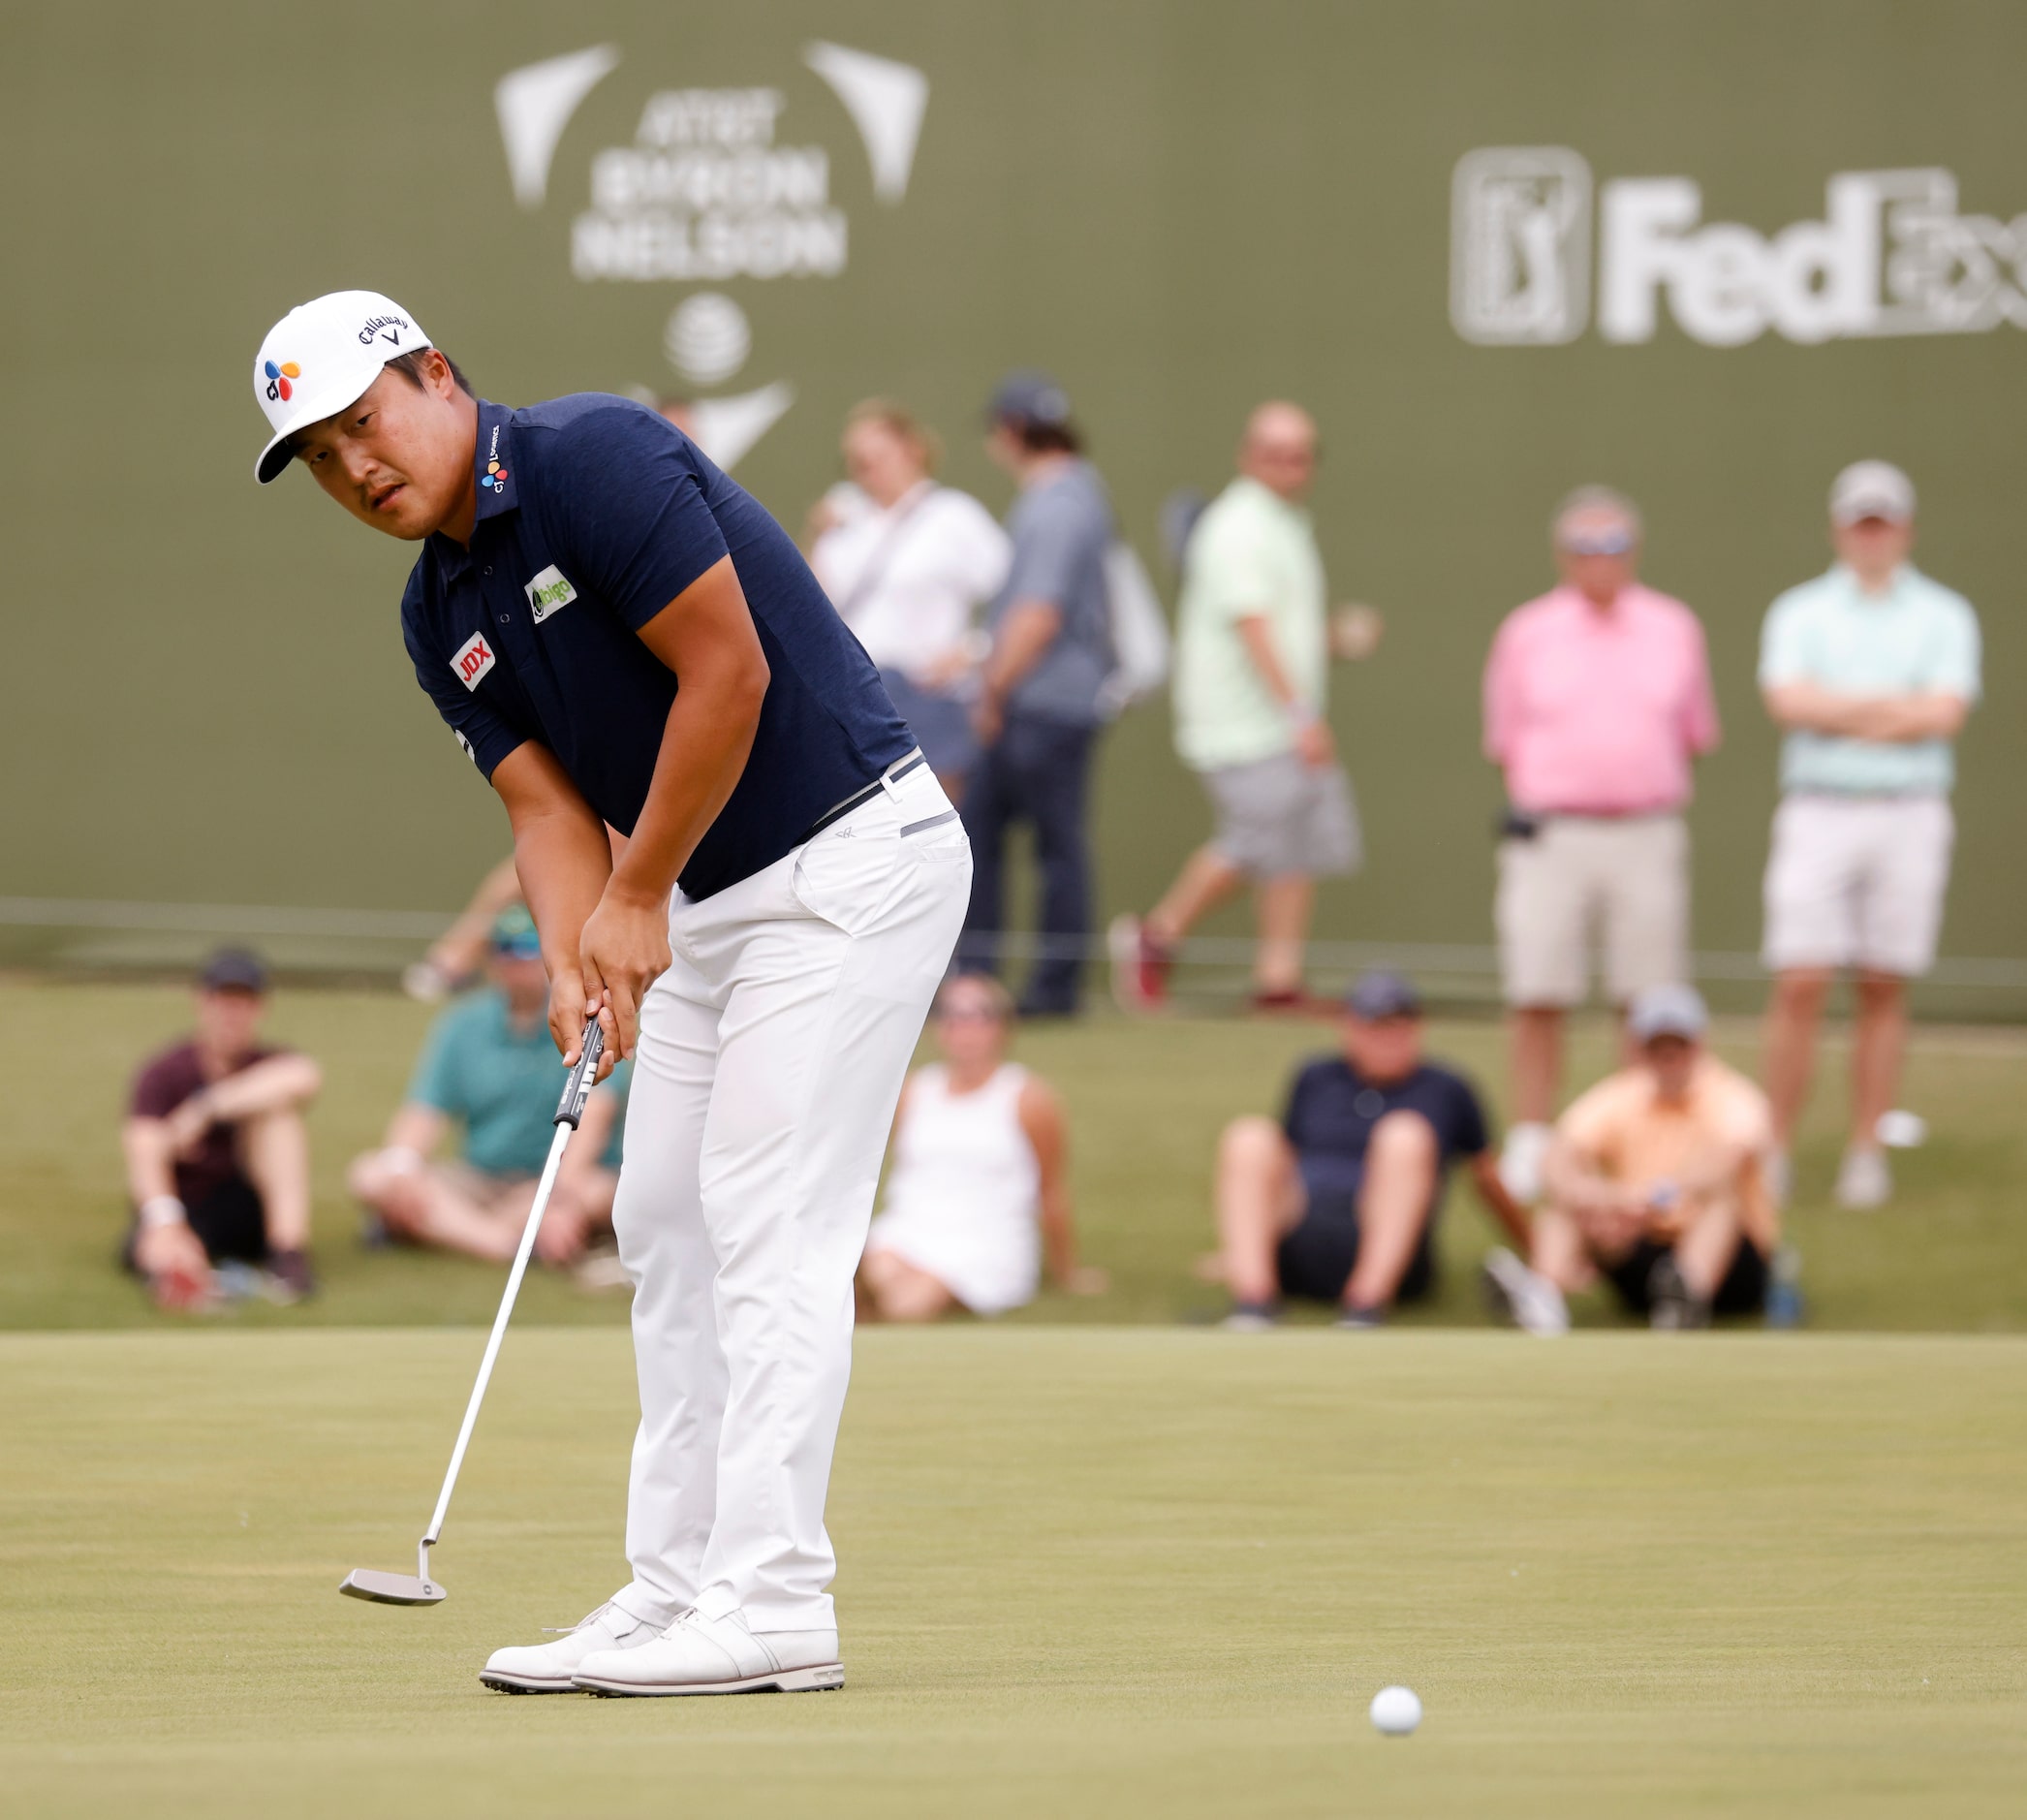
{"points": [[1395, 1712]]}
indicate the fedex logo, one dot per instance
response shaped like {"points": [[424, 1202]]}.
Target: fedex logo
{"points": [[472, 660]]}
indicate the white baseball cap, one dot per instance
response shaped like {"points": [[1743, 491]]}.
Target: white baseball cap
{"points": [[320, 357], [1872, 489]]}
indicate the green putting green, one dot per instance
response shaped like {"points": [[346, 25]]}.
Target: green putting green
{"points": [[1106, 1573]]}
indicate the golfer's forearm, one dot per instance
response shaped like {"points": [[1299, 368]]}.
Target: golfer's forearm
{"points": [[563, 860], [1024, 636], [704, 747]]}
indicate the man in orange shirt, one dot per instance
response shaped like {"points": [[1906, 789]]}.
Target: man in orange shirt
{"points": [[1655, 1181]]}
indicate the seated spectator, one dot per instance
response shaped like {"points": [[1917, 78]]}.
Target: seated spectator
{"points": [[218, 1162], [979, 1192], [1338, 1202], [1655, 1181], [490, 1066]]}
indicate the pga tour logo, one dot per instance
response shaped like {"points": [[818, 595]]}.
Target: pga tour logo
{"points": [[1892, 256], [472, 660]]}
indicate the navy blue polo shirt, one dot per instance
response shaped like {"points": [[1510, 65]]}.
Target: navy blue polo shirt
{"points": [[594, 514], [1332, 1109]]}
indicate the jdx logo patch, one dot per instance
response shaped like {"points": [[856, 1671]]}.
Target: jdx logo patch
{"points": [[474, 658], [549, 594]]}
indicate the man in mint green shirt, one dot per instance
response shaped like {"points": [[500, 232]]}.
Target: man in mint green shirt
{"points": [[1871, 670], [490, 1068], [1254, 644]]}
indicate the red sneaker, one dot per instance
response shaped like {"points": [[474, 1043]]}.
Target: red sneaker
{"points": [[1140, 966]]}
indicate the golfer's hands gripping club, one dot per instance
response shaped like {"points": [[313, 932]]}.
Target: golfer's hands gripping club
{"points": [[623, 951]]}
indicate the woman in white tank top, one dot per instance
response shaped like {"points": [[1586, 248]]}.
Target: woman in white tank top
{"points": [[977, 1194]]}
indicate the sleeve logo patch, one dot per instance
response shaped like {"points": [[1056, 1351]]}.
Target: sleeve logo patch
{"points": [[474, 658], [549, 592], [464, 745]]}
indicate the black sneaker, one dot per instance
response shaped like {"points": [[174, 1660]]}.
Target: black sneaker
{"points": [[1671, 1308], [293, 1275], [1361, 1319], [1251, 1317]]}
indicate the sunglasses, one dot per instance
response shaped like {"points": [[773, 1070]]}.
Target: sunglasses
{"points": [[1612, 543]]}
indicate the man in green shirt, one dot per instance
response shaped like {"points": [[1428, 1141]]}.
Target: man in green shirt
{"points": [[1871, 671], [489, 1066], [1254, 644]]}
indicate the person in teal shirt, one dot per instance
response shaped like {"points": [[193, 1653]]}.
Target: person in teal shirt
{"points": [[1871, 672], [488, 1070]]}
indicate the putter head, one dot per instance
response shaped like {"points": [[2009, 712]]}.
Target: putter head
{"points": [[366, 1583]]}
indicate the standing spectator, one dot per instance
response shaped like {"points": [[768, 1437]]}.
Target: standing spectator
{"points": [[1337, 1203], [1254, 652], [1872, 670], [1037, 713], [979, 1198], [1656, 1179], [218, 1161], [1596, 699], [489, 1066], [906, 573]]}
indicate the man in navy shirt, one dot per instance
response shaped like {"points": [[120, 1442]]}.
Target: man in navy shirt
{"points": [[1337, 1203], [622, 639]]}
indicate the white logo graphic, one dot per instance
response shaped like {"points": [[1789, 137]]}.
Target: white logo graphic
{"points": [[472, 660], [534, 105], [727, 427], [886, 100], [1892, 256], [549, 594], [707, 338], [464, 745], [1520, 224]]}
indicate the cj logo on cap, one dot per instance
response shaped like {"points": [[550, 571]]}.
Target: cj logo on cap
{"points": [[279, 378], [549, 594], [472, 660]]}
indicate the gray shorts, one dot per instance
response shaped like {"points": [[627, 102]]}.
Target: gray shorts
{"points": [[1278, 816]]}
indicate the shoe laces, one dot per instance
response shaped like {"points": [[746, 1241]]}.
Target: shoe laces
{"points": [[583, 1624]]}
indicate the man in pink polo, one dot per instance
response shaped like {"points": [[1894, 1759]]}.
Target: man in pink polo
{"points": [[1596, 699]]}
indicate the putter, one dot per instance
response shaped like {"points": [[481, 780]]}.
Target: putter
{"points": [[366, 1583]]}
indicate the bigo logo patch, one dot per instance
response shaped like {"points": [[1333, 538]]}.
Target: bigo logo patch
{"points": [[472, 660], [549, 594], [281, 379]]}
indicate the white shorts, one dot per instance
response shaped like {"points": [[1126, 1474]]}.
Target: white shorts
{"points": [[1626, 881], [989, 1272], [1857, 882]]}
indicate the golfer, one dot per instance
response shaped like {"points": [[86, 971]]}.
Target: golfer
{"points": [[618, 634]]}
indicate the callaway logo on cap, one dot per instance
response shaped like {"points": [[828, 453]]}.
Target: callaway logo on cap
{"points": [[320, 357]]}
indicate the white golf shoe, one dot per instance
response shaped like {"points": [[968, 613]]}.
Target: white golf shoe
{"points": [[1863, 1180], [1524, 1297], [717, 1656], [546, 1667]]}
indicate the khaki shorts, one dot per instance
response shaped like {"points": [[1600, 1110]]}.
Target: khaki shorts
{"points": [[1857, 882], [1581, 879], [1278, 817]]}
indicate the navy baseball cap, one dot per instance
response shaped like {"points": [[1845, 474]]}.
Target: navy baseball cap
{"points": [[234, 970], [1029, 396], [1382, 994]]}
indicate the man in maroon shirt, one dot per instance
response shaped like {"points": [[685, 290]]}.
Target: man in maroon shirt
{"points": [[218, 1162]]}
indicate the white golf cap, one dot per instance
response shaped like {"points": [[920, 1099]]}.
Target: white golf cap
{"points": [[1872, 489], [1667, 1011], [321, 357]]}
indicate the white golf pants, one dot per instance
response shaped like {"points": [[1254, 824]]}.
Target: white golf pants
{"points": [[771, 1054]]}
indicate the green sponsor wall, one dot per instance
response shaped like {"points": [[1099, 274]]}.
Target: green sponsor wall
{"points": [[1179, 208]]}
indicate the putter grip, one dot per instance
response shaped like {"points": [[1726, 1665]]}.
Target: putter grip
{"points": [[577, 1088]]}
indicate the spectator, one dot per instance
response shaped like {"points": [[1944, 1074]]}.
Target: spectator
{"points": [[1656, 1179], [1872, 670], [906, 573], [491, 1065], [1596, 699], [979, 1198], [1338, 1202], [1037, 713], [1251, 675], [218, 1161]]}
